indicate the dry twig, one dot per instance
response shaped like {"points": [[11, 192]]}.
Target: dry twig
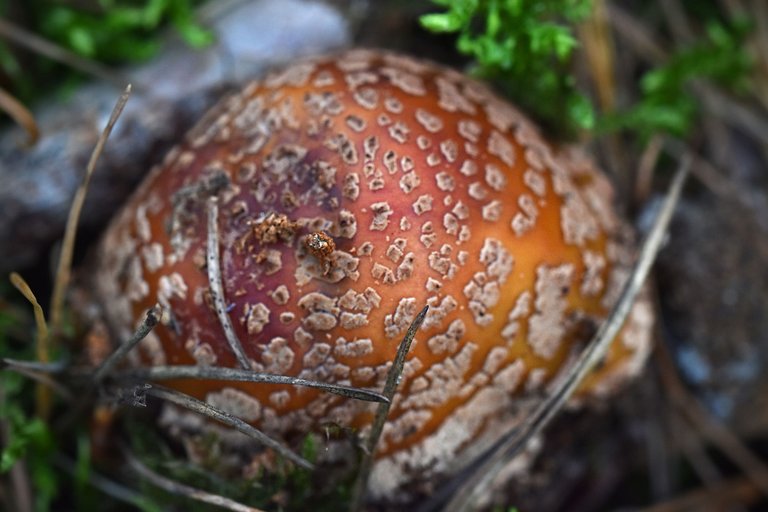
{"points": [[235, 375], [64, 269], [21, 115], [150, 321]]}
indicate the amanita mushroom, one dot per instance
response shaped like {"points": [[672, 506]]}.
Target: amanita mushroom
{"points": [[352, 190]]}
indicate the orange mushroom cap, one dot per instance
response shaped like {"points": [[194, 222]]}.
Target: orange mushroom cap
{"points": [[353, 190]]}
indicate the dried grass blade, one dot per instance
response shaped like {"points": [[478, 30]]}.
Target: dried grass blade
{"points": [[512, 443], [21, 115], [200, 407], [234, 374], [64, 268], [42, 345], [390, 387]]}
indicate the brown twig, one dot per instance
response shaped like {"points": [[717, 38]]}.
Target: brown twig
{"points": [[511, 444], [64, 268], [390, 387], [216, 285], [21, 115], [180, 489], [645, 168]]}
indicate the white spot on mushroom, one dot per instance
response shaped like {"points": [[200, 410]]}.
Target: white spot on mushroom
{"points": [[236, 403], [278, 356], [430, 122], [499, 145], [381, 213], [546, 327], [257, 316], [423, 204], [280, 295], [535, 181], [407, 82], [398, 322], [354, 349], [495, 178], [409, 181]]}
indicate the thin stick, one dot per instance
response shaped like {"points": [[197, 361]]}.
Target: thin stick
{"points": [[42, 347], [46, 381], [217, 288], [54, 52], [35, 366], [509, 445], [64, 269], [200, 407], [21, 115], [180, 489], [237, 375], [150, 321], [390, 387], [105, 485]]}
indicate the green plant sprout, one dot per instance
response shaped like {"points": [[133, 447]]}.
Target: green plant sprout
{"points": [[525, 48]]}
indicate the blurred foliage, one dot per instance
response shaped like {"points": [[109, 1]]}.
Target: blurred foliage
{"points": [[108, 31], [286, 488], [29, 437], [525, 48], [666, 104]]}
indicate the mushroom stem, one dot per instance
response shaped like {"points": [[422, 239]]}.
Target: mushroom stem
{"points": [[511, 444]]}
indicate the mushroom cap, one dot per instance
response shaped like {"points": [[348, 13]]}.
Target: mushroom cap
{"points": [[353, 190]]}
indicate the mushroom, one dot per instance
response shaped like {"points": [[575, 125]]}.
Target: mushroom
{"points": [[351, 191]]}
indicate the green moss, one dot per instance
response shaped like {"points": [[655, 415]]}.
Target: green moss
{"points": [[525, 48]]}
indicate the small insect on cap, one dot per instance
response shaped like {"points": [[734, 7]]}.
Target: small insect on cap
{"points": [[352, 191]]}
